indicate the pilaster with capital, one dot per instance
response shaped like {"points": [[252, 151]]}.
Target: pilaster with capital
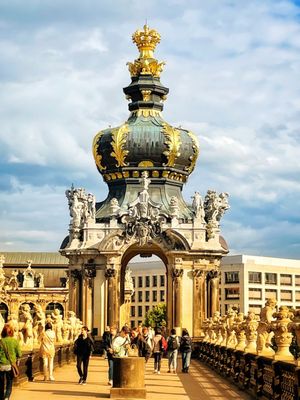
{"points": [[177, 274], [88, 274], [213, 291], [199, 301], [111, 276], [75, 277]]}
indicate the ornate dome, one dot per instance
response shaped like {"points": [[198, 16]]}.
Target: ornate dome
{"points": [[145, 141]]}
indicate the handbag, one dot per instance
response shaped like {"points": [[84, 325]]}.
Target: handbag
{"points": [[14, 367]]}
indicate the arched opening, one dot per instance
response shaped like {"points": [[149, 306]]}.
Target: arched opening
{"points": [[4, 311], [52, 306], [143, 285]]}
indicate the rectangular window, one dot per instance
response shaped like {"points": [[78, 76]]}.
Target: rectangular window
{"points": [[297, 280], [162, 280], [297, 295], [133, 298], [147, 295], [270, 278], [232, 293], [232, 277], [140, 281], [146, 309], [133, 281], [254, 277], [132, 311], [162, 295], [140, 294], [286, 295], [285, 279], [140, 311], [254, 294], [147, 281], [154, 280], [154, 295], [271, 294]]}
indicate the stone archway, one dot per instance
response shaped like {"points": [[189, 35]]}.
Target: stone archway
{"points": [[125, 297]]}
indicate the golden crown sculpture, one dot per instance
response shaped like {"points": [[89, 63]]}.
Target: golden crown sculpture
{"points": [[146, 41]]}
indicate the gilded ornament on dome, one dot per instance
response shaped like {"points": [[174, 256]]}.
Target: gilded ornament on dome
{"points": [[97, 156], [194, 156], [146, 41], [173, 143], [146, 94], [119, 136]]}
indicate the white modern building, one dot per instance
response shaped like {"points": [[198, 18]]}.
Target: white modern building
{"points": [[248, 281], [149, 280]]}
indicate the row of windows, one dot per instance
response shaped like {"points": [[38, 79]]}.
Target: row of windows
{"points": [[140, 281], [256, 294], [141, 311], [147, 296], [256, 277]]}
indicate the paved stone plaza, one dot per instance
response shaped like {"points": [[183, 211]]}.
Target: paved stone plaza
{"points": [[201, 383]]}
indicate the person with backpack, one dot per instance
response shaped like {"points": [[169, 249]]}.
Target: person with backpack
{"points": [[186, 350], [173, 346], [159, 346]]}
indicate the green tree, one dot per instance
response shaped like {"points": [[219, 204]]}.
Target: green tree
{"points": [[157, 317]]}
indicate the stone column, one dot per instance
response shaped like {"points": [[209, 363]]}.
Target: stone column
{"points": [[213, 292], [177, 284], [111, 276], [88, 285], [199, 305], [170, 298], [74, 291]]}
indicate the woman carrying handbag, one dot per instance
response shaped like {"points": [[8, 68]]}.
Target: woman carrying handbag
{"points": [[10, 352]]}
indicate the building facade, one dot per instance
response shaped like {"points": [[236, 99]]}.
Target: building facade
{"points": [[246, 282], [149, 281]]}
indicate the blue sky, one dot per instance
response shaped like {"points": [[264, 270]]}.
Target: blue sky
{"points": [[233, 73]]}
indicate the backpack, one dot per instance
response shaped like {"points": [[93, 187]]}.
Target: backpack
{"points": [[186, 344], [163, 344], [172, 343]]}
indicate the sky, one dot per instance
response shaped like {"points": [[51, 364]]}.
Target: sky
{"points": [[232, 67]]}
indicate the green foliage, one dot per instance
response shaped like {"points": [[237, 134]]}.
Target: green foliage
{"points": [[157, 317]]}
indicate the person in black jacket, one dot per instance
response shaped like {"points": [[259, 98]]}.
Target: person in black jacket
{"points": [[138, 340], [83, 348], [186, 350]]}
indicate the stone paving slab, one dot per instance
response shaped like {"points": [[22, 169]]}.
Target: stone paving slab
{"points": [[200, 384]]}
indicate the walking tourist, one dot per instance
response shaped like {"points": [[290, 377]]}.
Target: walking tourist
{"points": [[158, 347], [83, 348], [104, 340], [173, 346], [138, 340], [121, 343], [107, 345], [47, 351], [9, 354], [186, 350]]}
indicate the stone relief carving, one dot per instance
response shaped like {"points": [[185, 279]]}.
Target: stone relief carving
{"points": [[114, 207], [128, 280], [28, 276], [143, 220], [174, 207]]}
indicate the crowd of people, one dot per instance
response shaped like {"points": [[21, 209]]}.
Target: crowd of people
{"points": [[147, 342], [141, 341]]}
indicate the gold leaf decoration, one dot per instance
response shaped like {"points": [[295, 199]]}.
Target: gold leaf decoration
{"points": [[173, 143], [119, 136], [194, 156], [97, 156]]}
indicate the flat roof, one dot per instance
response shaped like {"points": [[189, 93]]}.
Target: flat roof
{"points": [[248, 259]]}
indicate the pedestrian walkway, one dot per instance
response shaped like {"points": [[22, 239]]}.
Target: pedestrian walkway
{"points": [[200, 384]]}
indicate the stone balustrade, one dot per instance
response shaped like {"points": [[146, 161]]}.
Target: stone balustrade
{"points": [[259, 354]]}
